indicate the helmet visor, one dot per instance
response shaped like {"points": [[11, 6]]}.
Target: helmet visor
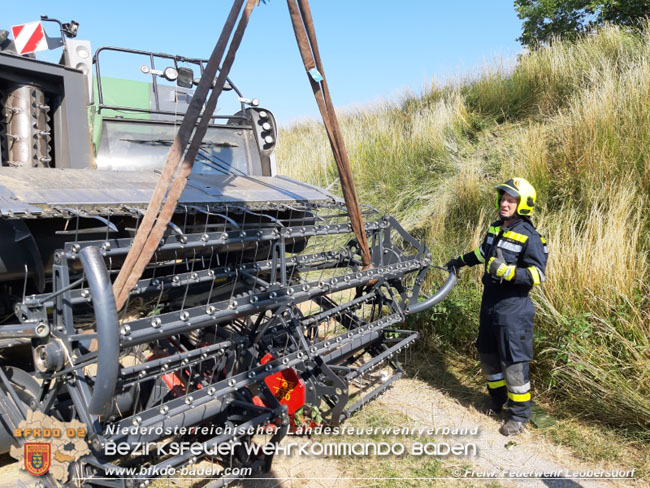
{"points": [[509, 188]]}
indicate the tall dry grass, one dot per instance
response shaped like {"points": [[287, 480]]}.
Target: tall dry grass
{"points": [[574, 119]]}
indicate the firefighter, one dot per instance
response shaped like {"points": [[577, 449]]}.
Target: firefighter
{"points": [[514, 258]]}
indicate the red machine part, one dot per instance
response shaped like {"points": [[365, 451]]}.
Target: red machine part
{"points": [[286, 385]]}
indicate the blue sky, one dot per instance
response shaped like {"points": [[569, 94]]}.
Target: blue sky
{"points": [[372, 50]]}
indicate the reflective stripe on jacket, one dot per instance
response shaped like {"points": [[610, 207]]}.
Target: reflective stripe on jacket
{"points": [[506, 302]]}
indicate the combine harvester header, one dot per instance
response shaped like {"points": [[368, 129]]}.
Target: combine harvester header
{"points": [[160, 273]]}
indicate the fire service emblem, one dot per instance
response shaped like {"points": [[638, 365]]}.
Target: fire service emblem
{"points": [[37, 457]]}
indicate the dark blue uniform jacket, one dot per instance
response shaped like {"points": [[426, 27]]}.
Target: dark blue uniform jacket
{"points": [[506, 304]]}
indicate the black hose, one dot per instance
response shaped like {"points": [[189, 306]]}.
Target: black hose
{"points": [[437, 297], [108, 333]]}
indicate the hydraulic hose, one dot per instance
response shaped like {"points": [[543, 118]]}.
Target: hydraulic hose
{"points": [[438, 296], [108, 332]]}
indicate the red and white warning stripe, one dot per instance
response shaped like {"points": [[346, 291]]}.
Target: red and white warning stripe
{"points": [[29, 37]]}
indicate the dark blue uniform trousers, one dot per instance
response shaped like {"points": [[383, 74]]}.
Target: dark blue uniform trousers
{"points": [[505, 346]]}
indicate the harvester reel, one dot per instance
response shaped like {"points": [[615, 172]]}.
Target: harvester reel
{"points": [[225, 327]]}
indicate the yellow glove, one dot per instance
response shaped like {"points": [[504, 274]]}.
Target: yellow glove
{"points": [[499, 269]]}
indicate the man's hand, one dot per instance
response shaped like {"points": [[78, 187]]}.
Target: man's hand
{"points": [[455, 263], [498, 268]]}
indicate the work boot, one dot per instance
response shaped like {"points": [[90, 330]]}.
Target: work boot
{"points": [[491, 406], [512, 427]]}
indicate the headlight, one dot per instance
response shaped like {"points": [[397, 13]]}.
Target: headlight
{"points": [[170, 73]]}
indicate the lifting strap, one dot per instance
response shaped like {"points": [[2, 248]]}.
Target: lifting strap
{"points": [[168, 188], [303, 26]]}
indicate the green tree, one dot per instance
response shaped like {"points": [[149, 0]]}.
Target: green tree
{"points": [[545, 19]]}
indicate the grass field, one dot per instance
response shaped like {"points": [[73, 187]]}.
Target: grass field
{"points": [[574, 119]]}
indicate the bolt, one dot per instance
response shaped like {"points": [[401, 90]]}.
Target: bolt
{"points": [[42, 329], [96, 443]]}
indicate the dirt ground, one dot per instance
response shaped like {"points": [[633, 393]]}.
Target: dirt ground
{"points": [[420, 405], [425, 406]]}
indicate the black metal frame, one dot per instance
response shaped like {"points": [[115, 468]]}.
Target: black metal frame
{"points": [[262, 312], [201, 63]]}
